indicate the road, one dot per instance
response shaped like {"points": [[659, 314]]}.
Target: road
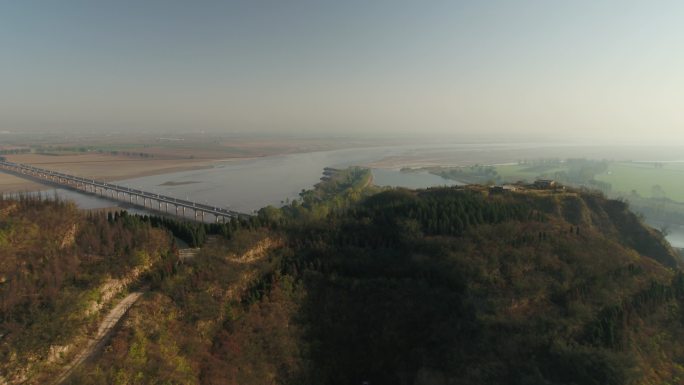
{"points": [[103, 333]]}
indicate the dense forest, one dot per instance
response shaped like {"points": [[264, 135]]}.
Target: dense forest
{"points": [[352, 284], [450, 286]]}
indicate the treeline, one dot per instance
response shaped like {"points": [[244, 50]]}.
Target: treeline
{"points": [[127, 153], [575, 172], [14, 151], [440, 211], [583, 172], [399, 216], [338, 191], [191, 232], [49, 149], [475, 174]]}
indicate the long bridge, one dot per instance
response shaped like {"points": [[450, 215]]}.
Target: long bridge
{"points": [[131, 196]]}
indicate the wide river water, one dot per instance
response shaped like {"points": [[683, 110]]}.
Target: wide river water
{"points": [[247, 185]]}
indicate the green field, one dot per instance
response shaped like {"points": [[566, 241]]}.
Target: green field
{"points": [[521, 172], [625, 177]]}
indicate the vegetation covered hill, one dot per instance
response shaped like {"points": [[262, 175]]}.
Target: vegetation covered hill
{"points": [[454, 287], [439, 286], [59, 270]]}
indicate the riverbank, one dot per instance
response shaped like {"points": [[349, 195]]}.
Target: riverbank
{"points": [[99, 166], [14, 184]]}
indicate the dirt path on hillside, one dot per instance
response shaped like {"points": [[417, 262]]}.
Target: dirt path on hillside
{"points": [[103, 332]]}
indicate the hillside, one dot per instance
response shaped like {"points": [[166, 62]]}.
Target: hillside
{"points": [[450, 286], [60, 271], [442, 286]]}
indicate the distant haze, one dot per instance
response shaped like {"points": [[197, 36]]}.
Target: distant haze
{"points": [[580, 70]]}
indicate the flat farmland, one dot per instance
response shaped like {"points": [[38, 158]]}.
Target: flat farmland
{"points": [[642, 177], [521, 172]]}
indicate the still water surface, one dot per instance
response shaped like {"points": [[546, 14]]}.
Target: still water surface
{"points": [[676, 237]]}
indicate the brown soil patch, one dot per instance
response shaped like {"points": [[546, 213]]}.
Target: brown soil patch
{"points": [[13, 184], [107, 167]]}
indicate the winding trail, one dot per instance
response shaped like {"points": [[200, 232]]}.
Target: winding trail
{"points": [[103, 333]]}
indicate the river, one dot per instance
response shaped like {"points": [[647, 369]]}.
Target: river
{"points": [[675, 236], [247, 185]]}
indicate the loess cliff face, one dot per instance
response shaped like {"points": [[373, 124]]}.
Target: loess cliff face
{"points": [[60, 269], [613, 219]]}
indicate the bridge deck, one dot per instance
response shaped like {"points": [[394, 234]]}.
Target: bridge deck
{"points": [[83, 184]]}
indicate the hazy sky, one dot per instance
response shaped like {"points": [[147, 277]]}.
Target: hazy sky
{"points": [[580, 69]]}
